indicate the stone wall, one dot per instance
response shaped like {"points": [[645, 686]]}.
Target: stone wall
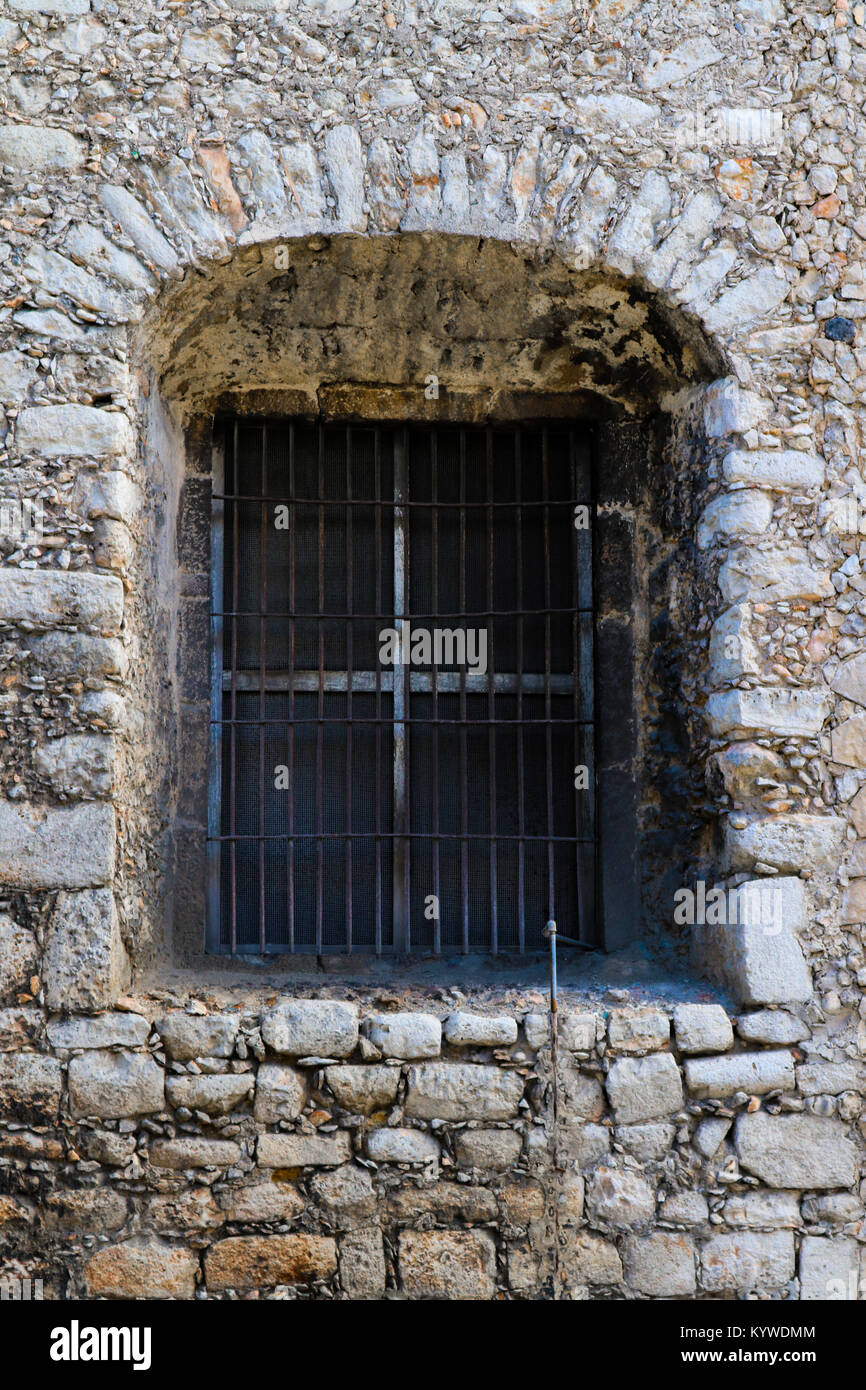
{"points": [[680, 190]]}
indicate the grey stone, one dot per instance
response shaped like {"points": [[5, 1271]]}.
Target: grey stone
{"points": [[362, 1263], [188, 1036], [756, 954], [702, 1028], [747, 512], [112, 494], [215, 1095], [280, 1093], [728, 409], [762, 1209], [494, 1150], [265, 1201], [401, 1146], [18, 955], [619, 1197], [796, 1150], [17, 376], [37, 149], [462, 1091], [80, 430], [772, 1026], [777, 572], [113, 1085], [86, 966], [537, 1030], [635, 1030], [88, 244], [743, 1261], [753, 1072], [105, 1030], [685, 1208], [77, 764], [591, 1260], [140, 228], [849, 680], [709, 1135], [406, 1035], [362, 1090], [633, 236], [303, 1151], [584, 1142], [576, 1032], [345, 167], [829, 1269], [49, 597], [480, 1030], [767, 710], [190, 1153], [311, 1028], [648, 1142], [749, 300], [346, 1195], [787, 843], [30, 1087], [77, 655], [687, 58], [452, 1265], [644, 1088], [661, 1265], [781, 470], [830, 1078]]}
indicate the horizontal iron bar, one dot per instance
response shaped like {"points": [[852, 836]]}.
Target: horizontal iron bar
{"points": [[358, 720], [363, 682], [460, 614], [429, 835], [388, 502]]}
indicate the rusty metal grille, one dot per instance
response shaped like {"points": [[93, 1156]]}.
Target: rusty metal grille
{"points": [[400, 806]]}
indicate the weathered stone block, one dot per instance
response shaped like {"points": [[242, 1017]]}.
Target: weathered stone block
{"points": [[215, 1095], [362, 1263], [746, 1260], [39, 149], [18, 955], [494, 1150], [764, 1210], [644, 1088], [829, 1269], [788, 843], [280, 1093], [753, 1072], [685, 1208], [446, 1202], [77, 764], [86, 966], [772, 1026], [189, 1211], [258, 1262], [661, 1265], [480, 1030], [756, 954], [619, 1196], [462, 1091], [748, 512], [113, 1085], [77, 655], [780, 572], [648, 1142], [266, 1201], [303, 1151], [362, 1090], [106, 1030], [56, 847], [93, 1210], [346, 1195], [782, 470], [702, 1028], [388, 1145], [311, 1028], [796, 1150], [181, 1154], [831, 1078], [188, 1036], [637, 1030], [791, 713], [407, 1035], [591, 1260], [144, 1267], [453, 1265], [30, 1086], [80, 430]]}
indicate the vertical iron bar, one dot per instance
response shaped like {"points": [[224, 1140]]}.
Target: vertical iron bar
{"points": [[292, 511], [401, 932], [577, 676], [377, 482], [321, 697], [263, 604], [464, 760], [233, 804], [434, 604], [491, 698], [349, 663], [548, 751], [216, 733], [521, 826]]}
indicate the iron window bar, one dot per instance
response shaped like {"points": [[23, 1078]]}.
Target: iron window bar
{"points": [[396, 716]]}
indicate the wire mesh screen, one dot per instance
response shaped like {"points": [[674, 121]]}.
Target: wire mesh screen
{"points": [[402, 754]]}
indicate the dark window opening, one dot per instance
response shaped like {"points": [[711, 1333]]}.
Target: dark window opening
{"points": [[434, 794]]}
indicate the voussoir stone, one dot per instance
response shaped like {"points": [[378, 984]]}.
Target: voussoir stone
{"points": [[796, 1150], [114, 1085], [405, 1035], [311, 1027], [462, 1091], [644, 1088]]}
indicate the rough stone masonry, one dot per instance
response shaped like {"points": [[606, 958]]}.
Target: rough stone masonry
{"points": [[658, 207]]}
